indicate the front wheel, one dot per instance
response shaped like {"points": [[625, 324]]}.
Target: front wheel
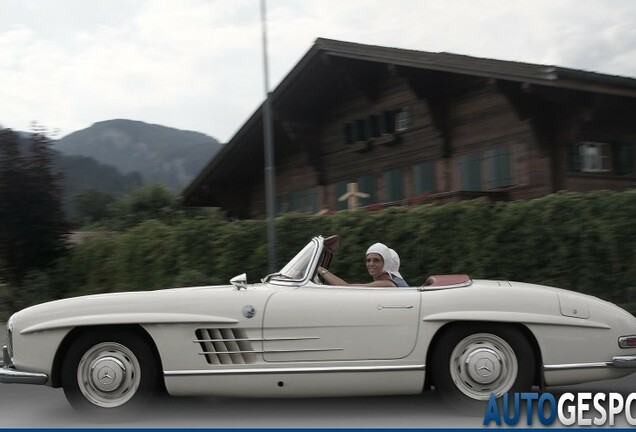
{"points": [[109, 373], [472, 362]]}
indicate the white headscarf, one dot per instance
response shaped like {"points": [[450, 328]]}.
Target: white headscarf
{"points": [[390, 257], [383, 251], [393, 266]]}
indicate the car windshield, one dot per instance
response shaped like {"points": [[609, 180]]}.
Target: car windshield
{"points": [[298, 267]]}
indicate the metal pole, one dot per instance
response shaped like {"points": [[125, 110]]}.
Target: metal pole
{"points": [[270, 171]]}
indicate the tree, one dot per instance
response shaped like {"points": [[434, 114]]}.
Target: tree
{"points": [[33, 229], [92, 205], [12, 179], [153, 201]]}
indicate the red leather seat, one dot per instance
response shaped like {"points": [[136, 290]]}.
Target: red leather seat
{"points": [[444, 280]]}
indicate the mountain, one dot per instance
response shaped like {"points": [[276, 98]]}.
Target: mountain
{"points": [[164, 155], [81, 173]]}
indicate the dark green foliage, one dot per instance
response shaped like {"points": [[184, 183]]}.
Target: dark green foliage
{"points": [[148, 202], [582, 242], [32, 224], [93, 205]]}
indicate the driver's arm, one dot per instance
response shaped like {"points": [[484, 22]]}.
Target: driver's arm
{"points": [[330, 278]]}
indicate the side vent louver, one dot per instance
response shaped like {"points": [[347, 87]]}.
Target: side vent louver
{"points": [[225, 346]]}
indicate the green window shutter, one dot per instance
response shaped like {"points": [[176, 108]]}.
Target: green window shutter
{"points": [[367, 184], [424, 178], [624, 158], [388, 124], [340, 189], [295, 201], [373, 122], [574, 160], [360, 130], [470, 172], [490, 159], [281, 204], [312, 200], [502, 163], [348, 133], [497, 162], [394, 185]]}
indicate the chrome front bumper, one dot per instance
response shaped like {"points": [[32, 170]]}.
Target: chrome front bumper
{"points": [[9, 375]]}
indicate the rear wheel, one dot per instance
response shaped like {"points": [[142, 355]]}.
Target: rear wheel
{"points": [[109, 373], [472, 362]]}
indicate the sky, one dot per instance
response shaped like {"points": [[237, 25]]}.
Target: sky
{"points": [[198, 64]]}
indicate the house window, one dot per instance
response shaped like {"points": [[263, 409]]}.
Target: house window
{"points": [[498, 168], [305, 200], [403, 119], [424, 178], [393, 185], [599, 157], [470, 172], [595, 157]]}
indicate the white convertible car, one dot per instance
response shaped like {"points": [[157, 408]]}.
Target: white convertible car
{"points": [[292, 336]]}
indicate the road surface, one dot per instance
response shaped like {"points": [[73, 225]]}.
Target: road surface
{"points": [[27, 406]]}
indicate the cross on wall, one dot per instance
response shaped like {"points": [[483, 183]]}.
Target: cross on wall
{"points": [[353, 196]]}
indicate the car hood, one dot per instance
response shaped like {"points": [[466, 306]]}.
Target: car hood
{"points": [[209, 304]]}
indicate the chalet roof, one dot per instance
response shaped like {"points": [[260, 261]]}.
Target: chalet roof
{"points": [[317, 80]]}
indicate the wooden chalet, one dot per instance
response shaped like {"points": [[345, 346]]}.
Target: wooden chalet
{"points": [[403, 125]]}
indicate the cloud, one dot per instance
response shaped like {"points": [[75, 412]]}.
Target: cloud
{"points": [[197, 64]]}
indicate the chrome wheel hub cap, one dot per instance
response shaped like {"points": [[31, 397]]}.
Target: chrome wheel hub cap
{"points": [[482, 364], [109, 374]]}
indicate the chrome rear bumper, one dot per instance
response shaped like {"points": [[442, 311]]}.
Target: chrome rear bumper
{"points": [[9, 375], [624, 362]]}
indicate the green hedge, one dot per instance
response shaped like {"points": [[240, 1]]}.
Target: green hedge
{"points": [[582, 242]]}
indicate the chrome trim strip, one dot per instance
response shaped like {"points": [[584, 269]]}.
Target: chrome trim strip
{"points": [[295, 370], [270, 351], [12, 376], [257, 339], [620, 362], [574, 366], [443, 287]]}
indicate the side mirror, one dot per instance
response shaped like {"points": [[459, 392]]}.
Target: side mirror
{"points": [[240, 281]]}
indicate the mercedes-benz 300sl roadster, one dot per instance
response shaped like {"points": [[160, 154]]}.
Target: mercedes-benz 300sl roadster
{"points": [[293, 336]]}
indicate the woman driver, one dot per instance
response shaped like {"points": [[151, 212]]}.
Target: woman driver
{"points": [[379, 262]]}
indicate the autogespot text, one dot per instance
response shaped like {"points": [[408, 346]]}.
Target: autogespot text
{"points": [[571, 409]]}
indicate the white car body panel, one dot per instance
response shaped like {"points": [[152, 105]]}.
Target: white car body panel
{"points": [[349, 323], [299, 338]]}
